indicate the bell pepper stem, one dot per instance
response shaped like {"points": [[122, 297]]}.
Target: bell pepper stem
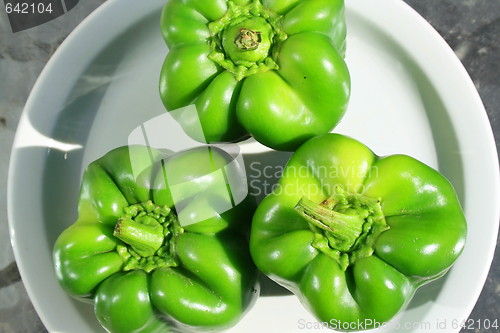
{"points": [[248, 40], [345, 226], [244, 41], [343, 229], [145, 235], [149, 233]]}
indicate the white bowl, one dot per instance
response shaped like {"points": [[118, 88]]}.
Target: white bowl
{"points": [[410, 94]]}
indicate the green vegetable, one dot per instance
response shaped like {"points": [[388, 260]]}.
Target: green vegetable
{"points": [[273, 69], [159, 240], [352, 234]]}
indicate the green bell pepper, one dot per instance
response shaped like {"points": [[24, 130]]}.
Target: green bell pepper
{"points": [[155, 244], [255, 67], [352, 234]]}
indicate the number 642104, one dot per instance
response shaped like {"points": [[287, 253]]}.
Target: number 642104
{"points": [[28, 8]]}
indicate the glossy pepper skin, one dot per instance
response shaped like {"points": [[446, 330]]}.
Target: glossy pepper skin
{"points": [[255, 67], [352, 234], [144, 271]]}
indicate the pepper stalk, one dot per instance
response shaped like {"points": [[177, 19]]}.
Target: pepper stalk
{"points": [[345, 226], [244, 40], [149, 233]]}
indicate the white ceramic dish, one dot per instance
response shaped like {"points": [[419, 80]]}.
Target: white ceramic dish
{"points": [[410, 95]]}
